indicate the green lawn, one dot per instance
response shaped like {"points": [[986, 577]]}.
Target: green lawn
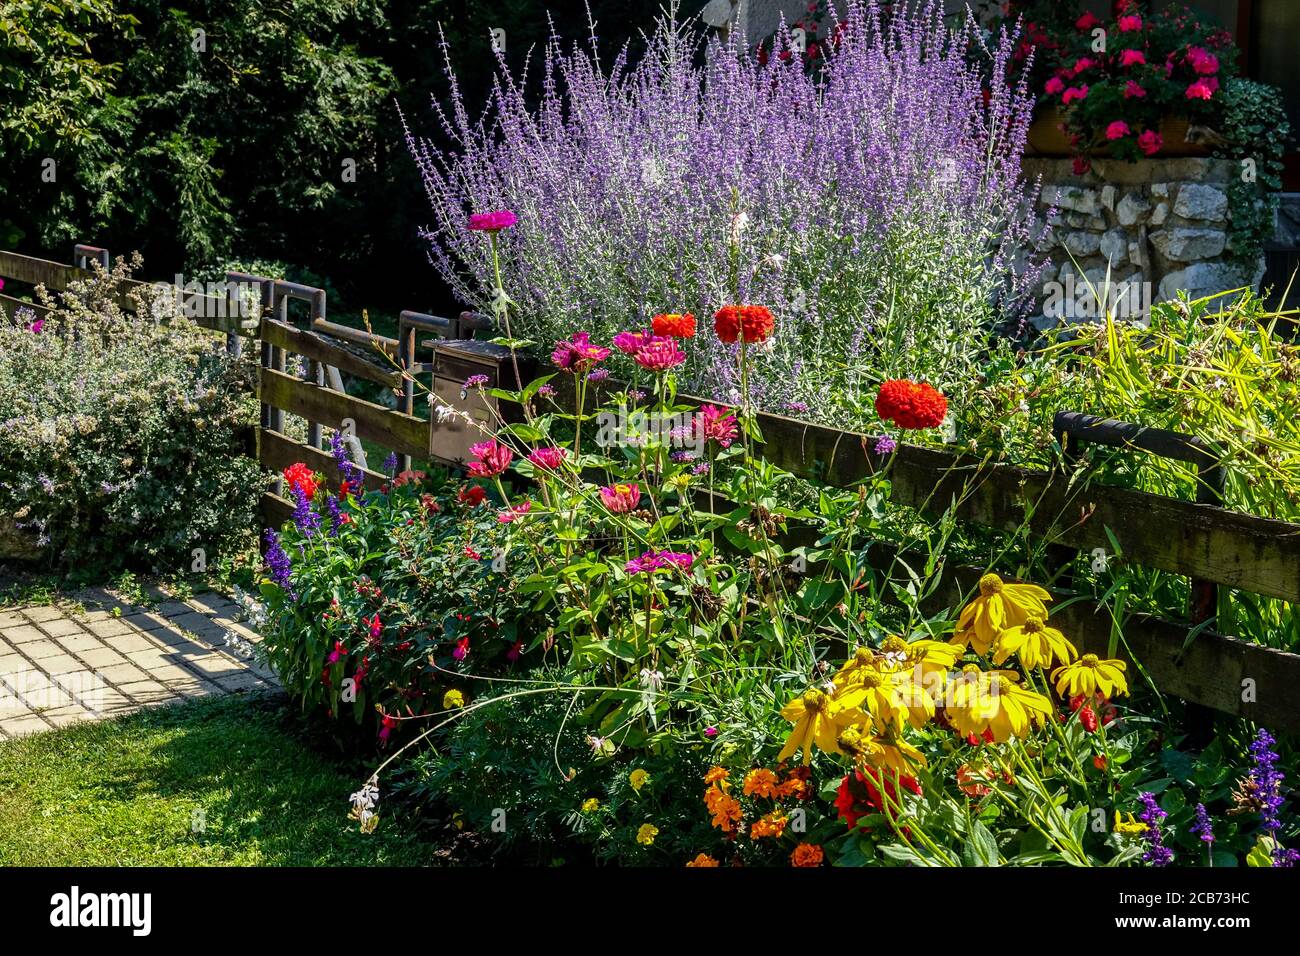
{"points": [[125, 793]]}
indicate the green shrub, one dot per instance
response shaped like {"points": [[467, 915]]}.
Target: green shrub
{"points": [[122, 437]]}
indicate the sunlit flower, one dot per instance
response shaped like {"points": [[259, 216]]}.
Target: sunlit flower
{"points": [[994, 702], [577, 353], [1035, 645], [492, 221], [999, 605], [453, 699], [807, 854], [621, 498], [703, 859], [1089, 675], [590, 805], [629, 343], [548, 457], [760, 782], [659, 354], [813, 715], [301, 478], [674, 325], [491, 458], [1129, 827], [638, 778], [769, 825], [911, 405], [646, 835], [751, 323], [715, 424]]}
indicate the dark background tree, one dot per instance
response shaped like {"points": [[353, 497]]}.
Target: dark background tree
{"points": [[207, 132]]}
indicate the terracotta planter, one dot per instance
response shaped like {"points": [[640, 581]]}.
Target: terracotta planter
{"points": [[1047, 138]]}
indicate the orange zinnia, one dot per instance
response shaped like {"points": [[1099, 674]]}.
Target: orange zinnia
{"points": [[672, 325]]}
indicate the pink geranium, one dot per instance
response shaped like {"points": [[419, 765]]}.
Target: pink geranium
{"points": [[1132, 58], [1054, 86], [1200, 90], [492, 221], [548, 457], [1081, 64], [621, 498], [1202, 61], [1079, 93], [1130, 23], [1150, 142], [577, 354], [1133, 90], [659, 354], [715, 424], [1086, 22], [492, 458], [1117, 130]]}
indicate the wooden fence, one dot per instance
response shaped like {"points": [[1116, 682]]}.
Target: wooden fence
{"points": [[1214, 546]]}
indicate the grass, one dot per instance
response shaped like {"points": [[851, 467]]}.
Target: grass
{"points": [[126, 792]]}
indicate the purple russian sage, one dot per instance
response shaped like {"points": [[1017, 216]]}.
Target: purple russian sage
{"points": [[876, 206]]}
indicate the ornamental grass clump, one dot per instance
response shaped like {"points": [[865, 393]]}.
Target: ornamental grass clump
{"points": [[874, 207]]}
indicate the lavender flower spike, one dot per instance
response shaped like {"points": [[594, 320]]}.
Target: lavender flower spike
{"points": [[1157, 854]]}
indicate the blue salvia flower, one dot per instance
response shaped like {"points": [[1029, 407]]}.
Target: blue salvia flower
{"points": [[347, 468], [335, 513], [307, 520], [278, 563], [1202, 827], [1266, 783], [390, 464], [1157, 854]]}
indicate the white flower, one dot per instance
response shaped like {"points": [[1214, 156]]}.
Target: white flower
{"points": [[652, 680]]}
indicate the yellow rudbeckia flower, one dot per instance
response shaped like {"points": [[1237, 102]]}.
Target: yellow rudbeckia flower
{"points": [[814, 717], [995, 701], [891, 753], [1089, 675], [999, 605], [1034, 644], [1129, 827]]}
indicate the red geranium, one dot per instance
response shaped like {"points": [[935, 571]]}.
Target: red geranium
{"points": [[300, 477], [911, 404], [472, 496], [860, 793], [753, 323]]}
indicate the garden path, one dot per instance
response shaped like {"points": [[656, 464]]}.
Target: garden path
{"points": [[96, 655]]}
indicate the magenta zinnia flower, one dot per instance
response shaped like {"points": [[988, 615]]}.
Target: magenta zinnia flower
{"points": [[659, 354], [548, 457], [714, 424], [629, 343], [578, 354], [507, 515], [621, 498], [492, 221], [492, 459], [657, 560]]}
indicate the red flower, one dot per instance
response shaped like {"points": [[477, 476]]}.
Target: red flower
{"points": [[1200, 90], [1054, 85], [860, 794], [386, 730], [1086, 22], [1081, 165], [300, 477], [1088, 717], [1150, 142], [472, 495], [911, 404], [1099, 762], [462, 649], [672, 325], [753, 323]]}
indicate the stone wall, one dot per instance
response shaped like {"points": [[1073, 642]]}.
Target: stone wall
{"points": [[1161, 226]]}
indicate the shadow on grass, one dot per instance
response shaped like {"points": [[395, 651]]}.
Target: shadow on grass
{"points": [[238, 780]]}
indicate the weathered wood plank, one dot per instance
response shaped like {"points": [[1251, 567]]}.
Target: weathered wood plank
{"points": [[405, 434], [275, 511], [314, 347], [53, 275], [277, 452], [12, 305]]}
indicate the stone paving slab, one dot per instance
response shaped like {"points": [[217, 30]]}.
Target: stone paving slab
{"points": [[98, 656]]}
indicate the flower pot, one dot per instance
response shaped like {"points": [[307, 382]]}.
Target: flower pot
{"points": [[1046, 135]]}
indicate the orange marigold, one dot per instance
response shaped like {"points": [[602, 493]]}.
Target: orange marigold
{"points": [[760, 783], [725, 809], [753, 323], [807, 854], [703, 860], [717, 775], [769, 825], [673, 325]]}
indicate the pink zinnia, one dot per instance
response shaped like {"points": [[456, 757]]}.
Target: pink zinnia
{"points": [[1081, 64], [621, 498], [548, 457], [1132, 58], [492, 221], [1150, 142], [36, 326], [1129, 24], [1054, 86], [659, 354], [1132, 90], [578, 354], [1086, 22], [1075, 93], [1117, 130], [1200, 90], [510, 514], [629, 343], [492, 458], [713, 423], [657, 560]]}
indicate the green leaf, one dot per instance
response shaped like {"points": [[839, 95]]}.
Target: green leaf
{"points": [[981, 848]]}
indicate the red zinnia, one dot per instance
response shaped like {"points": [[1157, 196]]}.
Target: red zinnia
{"points": [[752, 323], [472, 496], [911, 404], [672, 325]]}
